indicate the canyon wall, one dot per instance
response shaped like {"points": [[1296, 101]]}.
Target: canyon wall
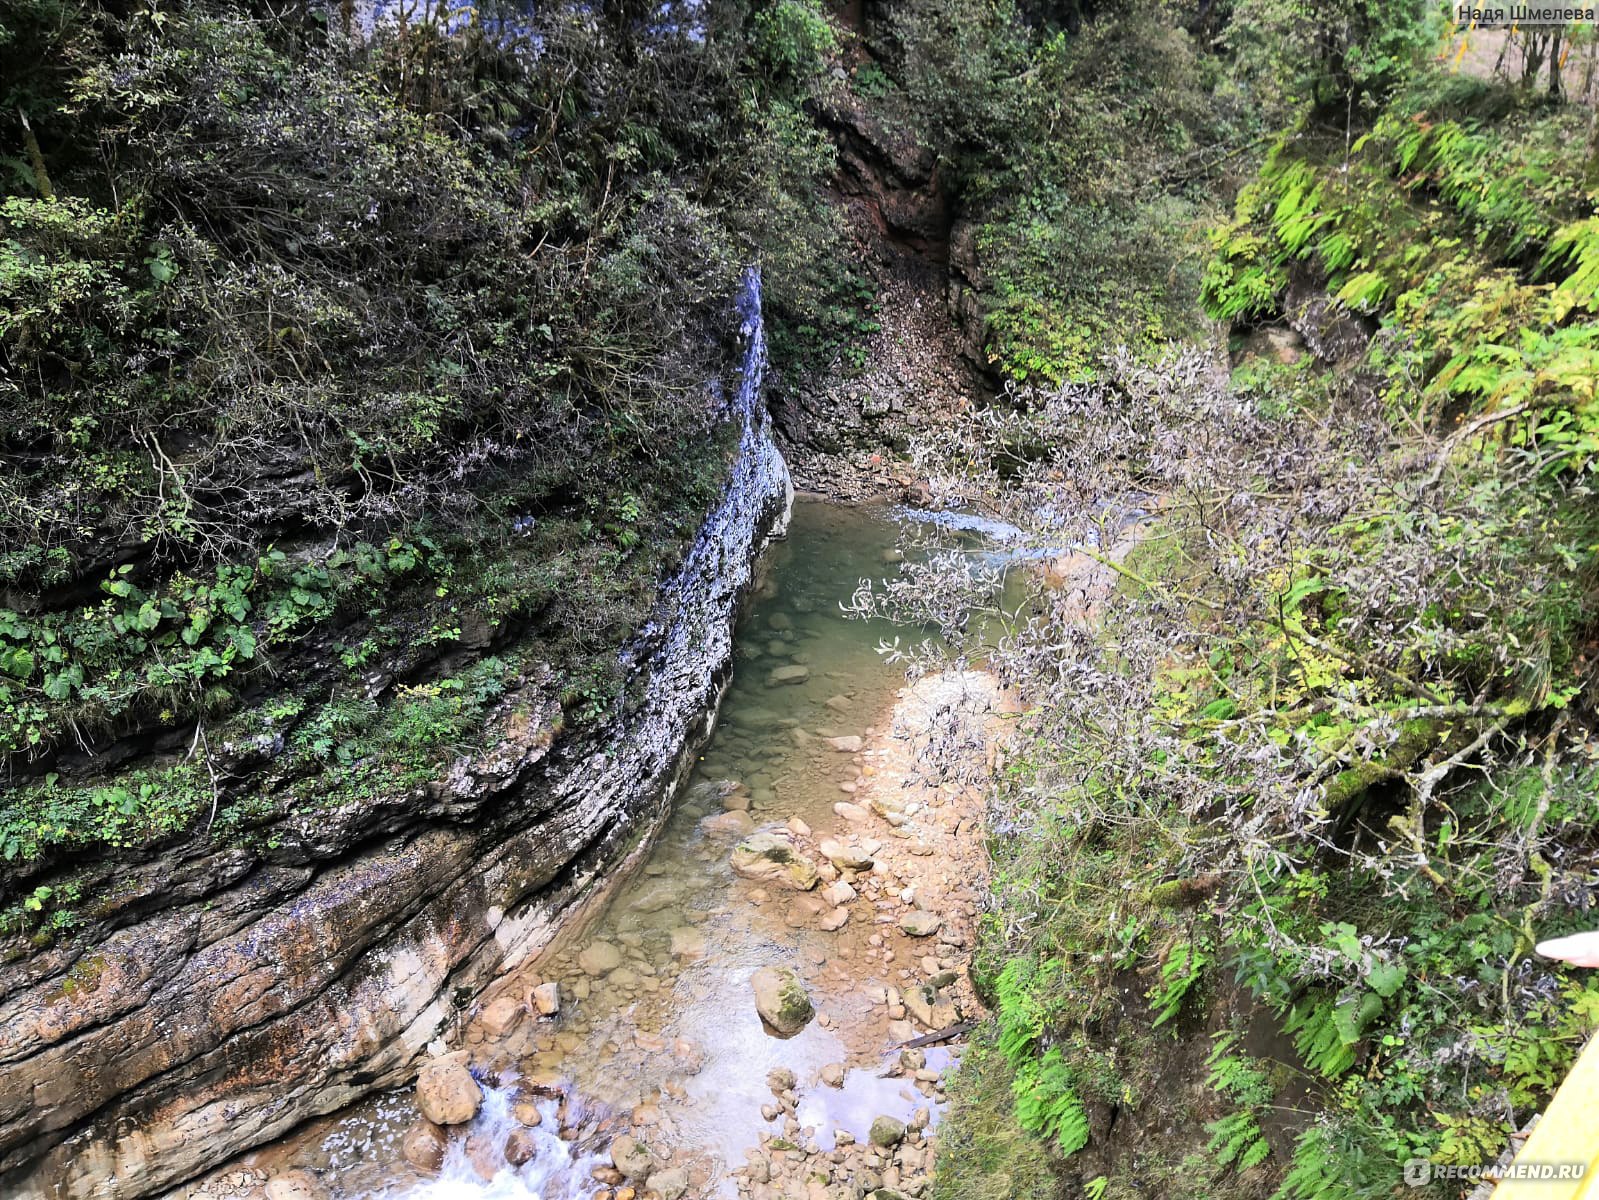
{"points": [[255, 992]]}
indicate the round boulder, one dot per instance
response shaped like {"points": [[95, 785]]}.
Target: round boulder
{"points": [[781, 999], [632, 1157], [447, 1094], [886, 1132], [424, 1145]]}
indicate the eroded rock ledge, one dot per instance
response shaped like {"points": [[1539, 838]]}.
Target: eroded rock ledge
{"points": [[264, 995]]}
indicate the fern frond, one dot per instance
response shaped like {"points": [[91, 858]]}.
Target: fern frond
{"points": [[1315, 1173], [1313, 1024], [1047, 1102]]}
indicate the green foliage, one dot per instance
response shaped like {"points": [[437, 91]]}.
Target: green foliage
{"points": [[983, 1153], [836, 322], [871, 81], [1045, 1087], [1181, 970], [1237, 1076], [1316, 1173], [1341, 752], [1435, 224], [1288, 55], [1070, 278], [1080, 149], [346, 414], [1236, 1140], [172, 646], [1047, 1102], [795, 38], [1058, 143], [143, 806], [1321, 1026]]}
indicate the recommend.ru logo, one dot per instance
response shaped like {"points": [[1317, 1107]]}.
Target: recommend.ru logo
{"points": [[1419, 1172]]}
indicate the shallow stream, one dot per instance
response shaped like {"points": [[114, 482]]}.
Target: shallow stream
{"points": [[657, 1032]]}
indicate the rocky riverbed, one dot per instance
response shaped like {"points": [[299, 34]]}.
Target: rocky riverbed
{"points": [[826, 851]]}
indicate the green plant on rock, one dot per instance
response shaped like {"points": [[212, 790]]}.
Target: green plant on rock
{"points": [[170, 646]]}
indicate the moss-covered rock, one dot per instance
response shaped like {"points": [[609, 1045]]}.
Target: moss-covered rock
{"points": [[781, 999]]}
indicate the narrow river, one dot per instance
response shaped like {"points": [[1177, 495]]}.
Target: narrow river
{"points": [[657, 1034]]}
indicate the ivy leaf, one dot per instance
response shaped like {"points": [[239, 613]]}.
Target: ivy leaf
{"points": [[59, 685], [1351, 1017]]}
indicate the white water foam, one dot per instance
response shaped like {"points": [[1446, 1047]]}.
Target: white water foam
{"points": [[558, 1170]]}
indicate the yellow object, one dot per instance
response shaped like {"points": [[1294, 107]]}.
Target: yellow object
{"points": [[1568, 1133]]}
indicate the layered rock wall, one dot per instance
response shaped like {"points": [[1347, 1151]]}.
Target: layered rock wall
{"points": [[256, 994]]}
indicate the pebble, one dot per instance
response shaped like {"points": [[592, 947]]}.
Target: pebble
{"points": [[547, 998], [920, 923], [599, 957], [839, 893]]}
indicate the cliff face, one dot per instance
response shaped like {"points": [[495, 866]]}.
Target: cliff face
{"points": [[253, 992]]}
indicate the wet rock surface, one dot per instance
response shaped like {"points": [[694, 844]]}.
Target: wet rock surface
{"points": [[772, 858]]}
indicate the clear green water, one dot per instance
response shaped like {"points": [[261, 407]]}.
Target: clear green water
{"points": [[771, 741]]}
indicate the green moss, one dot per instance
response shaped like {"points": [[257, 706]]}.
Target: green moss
{"points": [[1416, 737], [84, 975]]}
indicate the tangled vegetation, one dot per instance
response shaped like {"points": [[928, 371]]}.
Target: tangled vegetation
{"points": [[358, 391], [1322, 756], [342, 394], [1296, 796]]}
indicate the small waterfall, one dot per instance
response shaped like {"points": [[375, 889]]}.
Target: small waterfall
{"points": [[475, 1166], [722, 558]]}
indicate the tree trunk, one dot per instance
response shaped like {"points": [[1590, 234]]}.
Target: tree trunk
{"points": [[1533, 63], [1591, 171]]}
